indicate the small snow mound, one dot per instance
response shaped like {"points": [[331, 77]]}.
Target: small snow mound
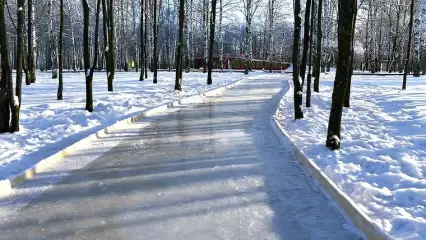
{"points": [[335, 138], [16, 99]]}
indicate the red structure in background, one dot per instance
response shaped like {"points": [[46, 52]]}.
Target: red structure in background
{"points": [[237, 63]]}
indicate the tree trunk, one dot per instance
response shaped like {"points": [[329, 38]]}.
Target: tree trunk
{"points": [[212, 29], [187, 34], [206, 33], [271, 33], [407, 59], [136, 59], [52, 41], [347, 13], [416, 45], [319, 47], [305, 41], [89, 68], [142, 53], [347, 100], [146, 39], [155, 28], [32, 48], [111, 42], [19, 65], [61, 54], [309, 80], [179, 51], [298, 108], [220, 34], [7, 99]]}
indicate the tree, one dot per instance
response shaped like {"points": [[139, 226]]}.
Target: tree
{"points": [[271, 10], [8, 109], [346, 101], [179, 51], [146, 40], [111, 65], [305, 41], [347, 14], [32, 43], [249, 9], [52, 41], [89, 69], [416, 46], [298, 108], [407, 59], [212, 29], [19, 61], [206, 33], [155, 29], [220, 34], [61, 51], [309, 80], [319, 47], [142, 53]]}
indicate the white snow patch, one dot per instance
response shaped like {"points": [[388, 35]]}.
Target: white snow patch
{"points": [[16, 100]]}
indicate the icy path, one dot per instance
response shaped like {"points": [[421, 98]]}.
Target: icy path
{"points": [[210, 171]]}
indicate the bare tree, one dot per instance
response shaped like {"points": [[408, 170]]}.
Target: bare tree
{"points": [[407, 59], [179, 59], [212, 29], [298, 108], [347, 16], [61, 51]]}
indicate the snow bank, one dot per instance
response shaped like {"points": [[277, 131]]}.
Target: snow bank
{"points": [[382, 164], [48, 125]]}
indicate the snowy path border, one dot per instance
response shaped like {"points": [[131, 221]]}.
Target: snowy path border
{"points": [[358, 217], [7, 185]]}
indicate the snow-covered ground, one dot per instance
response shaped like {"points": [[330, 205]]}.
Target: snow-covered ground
{"points": [[48, 125], [382, 163]]}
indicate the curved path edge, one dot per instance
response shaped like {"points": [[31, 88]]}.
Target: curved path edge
{"points": [[7, 185], [358, 217]]}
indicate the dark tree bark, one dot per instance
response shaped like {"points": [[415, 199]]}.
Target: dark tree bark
{"points": [[105, 28], [179, 51], [111, 46], [212, 29], [7, 99], [31, 58], [60, 53], [347, 100], [298, 109], [89, 69], [319, 47], [142, 53], [155, 28], [19, 64], [309, 80], [305, 41], [146, 40], [410, 34], [347, 13]]}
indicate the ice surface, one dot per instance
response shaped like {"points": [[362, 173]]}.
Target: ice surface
{"points": [[48, 125], [382, 163]]}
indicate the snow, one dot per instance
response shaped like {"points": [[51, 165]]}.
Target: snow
{"points": [[48, 125], [382, 163], [16, 100]]}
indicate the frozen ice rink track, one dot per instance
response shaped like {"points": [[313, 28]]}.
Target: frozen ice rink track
{"points": [[214, 170]]}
